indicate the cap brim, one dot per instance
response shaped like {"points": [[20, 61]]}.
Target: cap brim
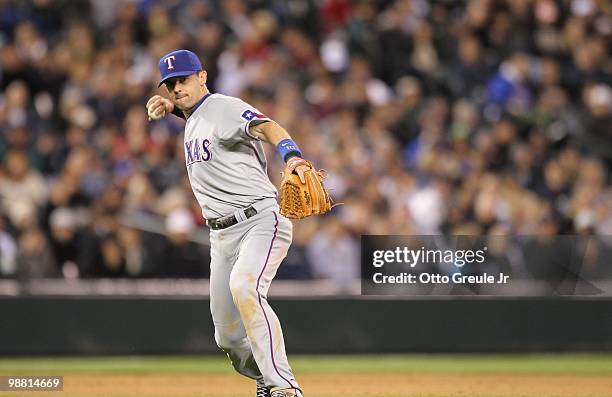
{"points": [[177, 74]]}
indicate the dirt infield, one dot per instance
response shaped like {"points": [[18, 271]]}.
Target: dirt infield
{"points": [[353, 385]]}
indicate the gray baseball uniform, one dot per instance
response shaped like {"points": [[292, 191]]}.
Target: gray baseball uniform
{"points": [[227, 170]]}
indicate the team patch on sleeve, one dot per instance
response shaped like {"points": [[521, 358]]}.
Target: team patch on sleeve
{"points": [[251, 114]]}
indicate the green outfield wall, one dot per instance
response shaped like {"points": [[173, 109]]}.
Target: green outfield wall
{"points": [[102, 325]]}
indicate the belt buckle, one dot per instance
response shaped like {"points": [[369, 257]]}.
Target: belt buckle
{"points": [[230, 220], [225, 222], [216, 224]]}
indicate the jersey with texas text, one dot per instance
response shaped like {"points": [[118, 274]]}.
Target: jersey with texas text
{"points": [[225, 163]]}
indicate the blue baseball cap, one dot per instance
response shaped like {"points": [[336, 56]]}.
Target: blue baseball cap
{"points": [[178, 63]]}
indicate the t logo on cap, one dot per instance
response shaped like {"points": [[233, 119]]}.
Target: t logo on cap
{"points": [[177, 64], [169, 62]]}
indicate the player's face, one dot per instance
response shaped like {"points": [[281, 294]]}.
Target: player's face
{"points": [[186, 91]]}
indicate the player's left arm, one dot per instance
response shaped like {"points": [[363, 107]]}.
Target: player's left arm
{"points": [[273, 133], [268, 131]]}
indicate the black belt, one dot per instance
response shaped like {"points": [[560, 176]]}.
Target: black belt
{"points": [[227, 221]]}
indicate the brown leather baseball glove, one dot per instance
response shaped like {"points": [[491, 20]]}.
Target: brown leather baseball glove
{"points": [[301, 191]]}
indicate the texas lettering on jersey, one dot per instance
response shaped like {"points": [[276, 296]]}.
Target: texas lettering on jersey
{"points": [[196, 152]]}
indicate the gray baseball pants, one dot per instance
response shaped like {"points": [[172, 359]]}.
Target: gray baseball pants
{"points": [[244, 260]]}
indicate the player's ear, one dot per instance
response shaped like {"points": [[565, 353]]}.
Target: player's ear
{"points": [[202, 76]]}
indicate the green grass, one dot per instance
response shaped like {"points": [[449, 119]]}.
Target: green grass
{"points": [[520, 364], [450, 364]]}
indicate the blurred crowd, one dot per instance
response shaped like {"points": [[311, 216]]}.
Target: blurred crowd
{"points": [[459, 117]]}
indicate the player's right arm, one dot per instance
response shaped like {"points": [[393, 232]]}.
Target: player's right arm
{"points": [[158, 107]]}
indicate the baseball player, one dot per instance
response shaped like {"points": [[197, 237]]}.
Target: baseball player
{"points": [[249, 238]]}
